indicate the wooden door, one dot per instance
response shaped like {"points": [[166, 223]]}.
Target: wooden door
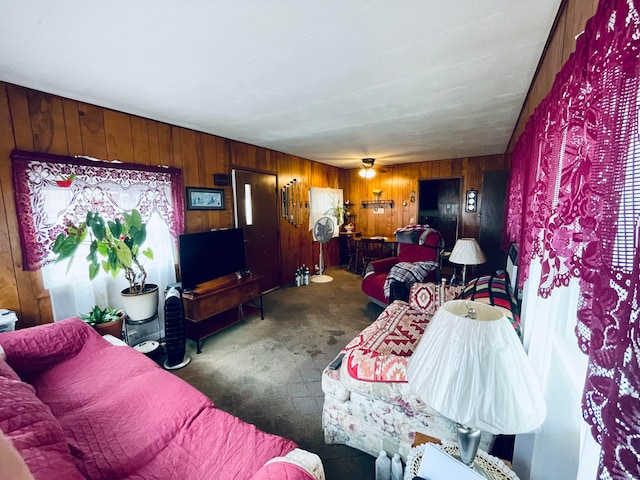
{"points": [[440, 207], [494, 192], [449, 210], [256, 211]]}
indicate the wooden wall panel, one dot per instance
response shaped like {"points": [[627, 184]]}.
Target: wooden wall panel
{"points": [[117, 130], [577, 14], [29, 284], [36, 121], [141, 141], [165, 144], [398, 181], [72, 126], [47, 122], [94, 142], [570, 22], [550, 66], [20, 118], [9, 245]]}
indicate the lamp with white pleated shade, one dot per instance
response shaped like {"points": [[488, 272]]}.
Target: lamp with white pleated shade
{"points": [[470, 367], [465, 252]]}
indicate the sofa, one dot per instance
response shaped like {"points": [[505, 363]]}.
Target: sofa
{"points": [[368, 403], [417, 261], [74, 406]]}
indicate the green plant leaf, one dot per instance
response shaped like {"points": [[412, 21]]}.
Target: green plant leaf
{"points": [[124, 254], [57, 243], [140, 235], [67, 247], [128, 241], [112, 258], [106, 266], [102, 248], [96, 223], [116, 228], [114, 245], [94, 268], [134, 220]]}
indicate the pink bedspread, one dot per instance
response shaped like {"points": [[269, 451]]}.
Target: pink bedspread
{"points": [[121, 416]]}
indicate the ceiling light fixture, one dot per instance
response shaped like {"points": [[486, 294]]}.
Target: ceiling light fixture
{"points": [[367, 170]]}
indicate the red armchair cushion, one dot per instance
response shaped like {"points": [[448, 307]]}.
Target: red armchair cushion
{"points": [[429, 251], [416, 253]]}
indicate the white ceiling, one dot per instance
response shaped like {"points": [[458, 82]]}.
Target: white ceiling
{"points": [[331, 80]]}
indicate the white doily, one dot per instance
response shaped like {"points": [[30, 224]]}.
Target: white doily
{"points": [[493, 466]]}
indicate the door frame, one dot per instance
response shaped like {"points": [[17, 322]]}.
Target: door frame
{"points": [[277, 212], [460, 197]]}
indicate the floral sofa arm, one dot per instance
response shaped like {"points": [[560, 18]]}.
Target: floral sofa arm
{"points": [[32, 350]]}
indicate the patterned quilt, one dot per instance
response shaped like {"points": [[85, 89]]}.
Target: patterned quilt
{"points": [[380, 353]]}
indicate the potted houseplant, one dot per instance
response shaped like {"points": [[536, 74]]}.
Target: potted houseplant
{"points": [[118, 244], [336, 210], [105, 320]]}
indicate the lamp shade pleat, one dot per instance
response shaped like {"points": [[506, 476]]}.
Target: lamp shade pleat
{"points": [[466, 251], [476, 372]]}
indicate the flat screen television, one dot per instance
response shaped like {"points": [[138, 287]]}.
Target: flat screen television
{"points": [[209, 255]]}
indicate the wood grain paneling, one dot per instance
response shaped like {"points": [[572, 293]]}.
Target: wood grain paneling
{"points": [[398, 181], [570, 22], [20, 118], [94, 142], [576, 19], [9, 297], [140, 132], [119, 136], [47, 122], [32, 298], [36, 121], [72, 126]]}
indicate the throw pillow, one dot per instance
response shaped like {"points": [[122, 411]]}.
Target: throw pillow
{"points": [[429, 297], [494, 290], [424, 297]]}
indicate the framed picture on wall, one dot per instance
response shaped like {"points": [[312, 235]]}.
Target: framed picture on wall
{"points": [[199, 198]]}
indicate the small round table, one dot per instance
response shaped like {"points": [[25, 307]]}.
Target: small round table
{"points": [[493, 466]]}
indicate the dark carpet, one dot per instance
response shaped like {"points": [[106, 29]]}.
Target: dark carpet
{"points": [[267, 372]]}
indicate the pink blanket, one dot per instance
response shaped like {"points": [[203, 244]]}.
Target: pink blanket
{"points": [[121, 416]]}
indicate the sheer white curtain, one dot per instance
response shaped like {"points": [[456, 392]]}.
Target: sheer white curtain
{"points": [[563, 447], [54, 192], [325, 202], [72, 293]]}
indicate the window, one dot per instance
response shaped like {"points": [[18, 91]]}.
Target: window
{"points": [[53, 192]]}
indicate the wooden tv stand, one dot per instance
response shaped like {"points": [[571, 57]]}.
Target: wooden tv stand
{"points": [[209, 308]]}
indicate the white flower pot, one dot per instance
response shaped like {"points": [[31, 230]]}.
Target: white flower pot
{"points": [[141, 306]]}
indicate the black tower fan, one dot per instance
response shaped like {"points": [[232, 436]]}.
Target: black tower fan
{"points": [[174, 330]]}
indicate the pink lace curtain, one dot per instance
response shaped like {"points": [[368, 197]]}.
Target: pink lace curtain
{"points": [[54, 191], [573, 203]]}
